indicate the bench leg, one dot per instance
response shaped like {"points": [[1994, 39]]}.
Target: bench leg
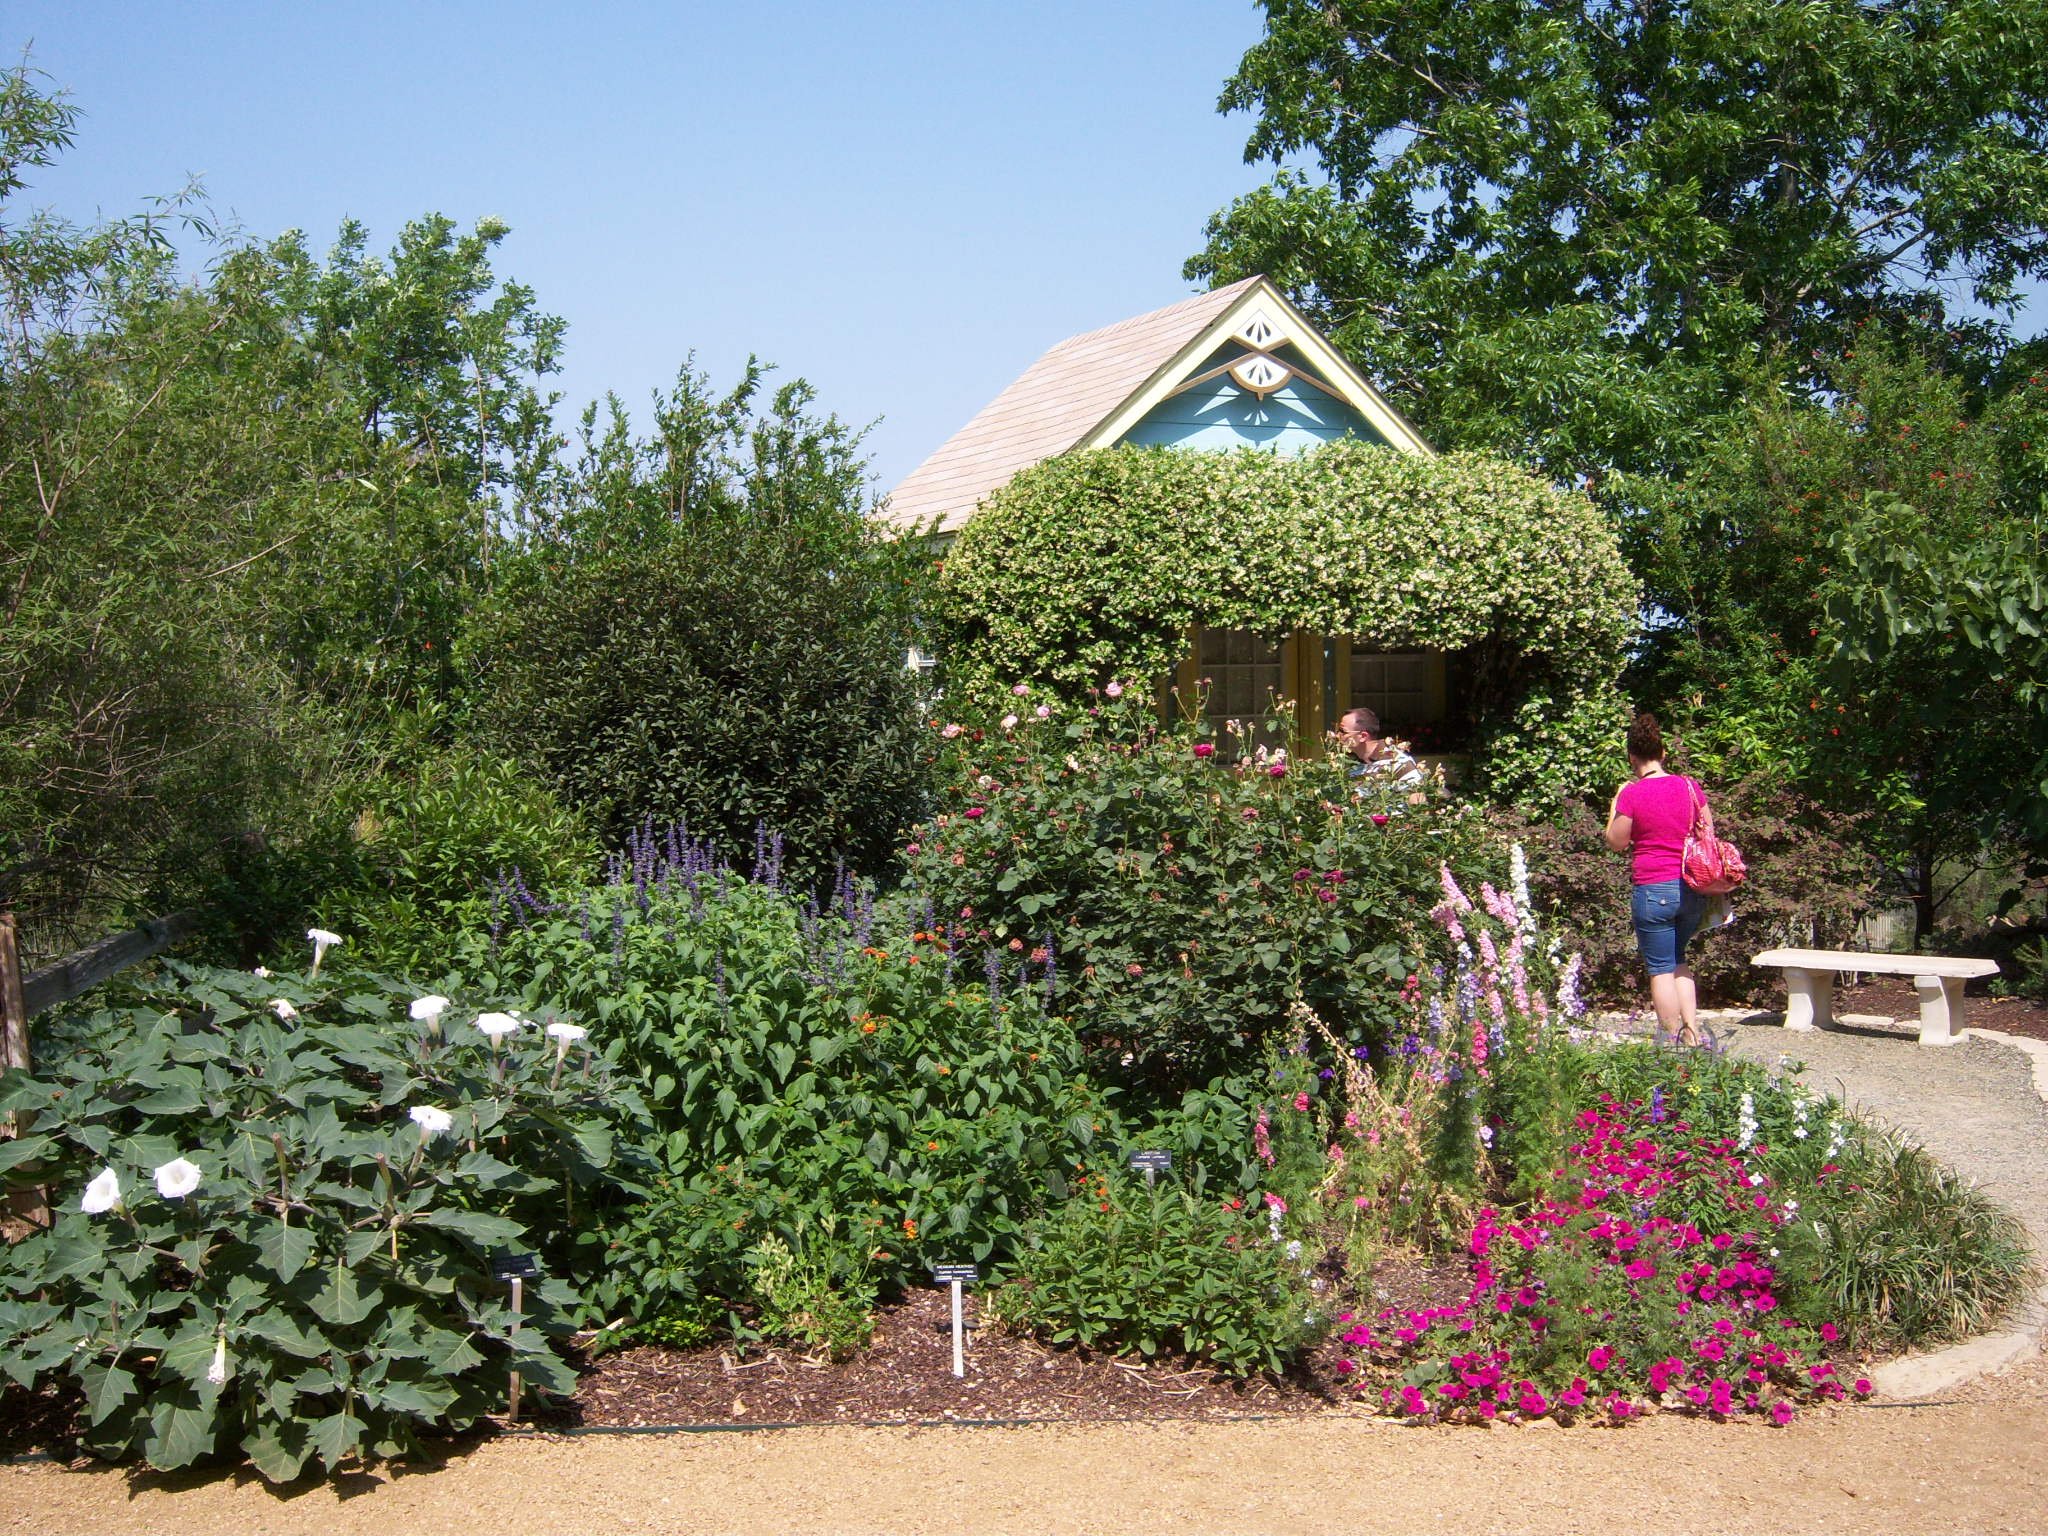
{"points": [[1809, 999], [1941, 1009]]}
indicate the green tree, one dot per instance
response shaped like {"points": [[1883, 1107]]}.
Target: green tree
{"points": [[1569, 231], [1845, 591], [244, 518], [707, 627]]}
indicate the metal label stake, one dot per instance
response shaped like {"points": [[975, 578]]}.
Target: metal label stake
{"points": [[957, 1275], [1151, 1164], [515, 1267]]}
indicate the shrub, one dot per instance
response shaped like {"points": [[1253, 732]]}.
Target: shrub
{"points": [[742, 668], [798, 1073], [309, 1278], [1185, 902], [1122, 1268]]}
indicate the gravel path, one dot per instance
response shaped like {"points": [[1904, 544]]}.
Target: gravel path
{"points": [[1974, 1466]]}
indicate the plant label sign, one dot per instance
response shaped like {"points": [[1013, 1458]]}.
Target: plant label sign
{"points": [[514, 1266], [955, 1276], [1151, 1164]]}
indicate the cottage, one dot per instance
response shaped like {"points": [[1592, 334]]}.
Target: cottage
{"points": [[1212, 492]]}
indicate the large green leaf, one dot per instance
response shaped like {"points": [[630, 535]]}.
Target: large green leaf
{"points": [[278, 1448], [478, 1226], [107, 1387], [181, 1429], [337, 1437], [339, 1301], [284, 1250]]}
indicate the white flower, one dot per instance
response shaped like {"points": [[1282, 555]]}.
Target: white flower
{"points": [[567, 1033], [283, 1009], [497, 1025], [218, 1371], [1115, 689], [102, 1194], [432, 1120], [426, 1010], [262, 971], [322, 942], [177, 1179], [1009, 722]]}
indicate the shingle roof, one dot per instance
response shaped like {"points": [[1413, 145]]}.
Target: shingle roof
{"points": [[1052, 405]]}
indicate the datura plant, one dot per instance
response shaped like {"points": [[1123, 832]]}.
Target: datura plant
{"points": [[275, 1205]]}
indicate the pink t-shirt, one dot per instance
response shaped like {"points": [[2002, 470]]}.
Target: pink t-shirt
{"points": [[1660, 812]]}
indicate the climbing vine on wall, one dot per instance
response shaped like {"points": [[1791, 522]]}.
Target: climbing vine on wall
{"points": [[1093, 565]]}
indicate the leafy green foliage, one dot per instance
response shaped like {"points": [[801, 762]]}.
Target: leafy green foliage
{"points": [[431, 835], [1125, 1269], [321, 1291], [1777, 559], [1183, 902], [740, 661], [801, 1080], [1092, 566], [261, 501], [817, 1292], [1563, 231]]}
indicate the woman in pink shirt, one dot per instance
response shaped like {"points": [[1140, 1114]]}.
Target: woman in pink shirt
{"points": [[1651, 816]]}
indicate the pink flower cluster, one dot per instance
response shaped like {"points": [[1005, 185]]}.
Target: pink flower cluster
{"points": [[1741, 1355]]}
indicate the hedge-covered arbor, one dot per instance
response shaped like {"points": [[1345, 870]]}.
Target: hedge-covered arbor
{"points": [[1093, 565]]}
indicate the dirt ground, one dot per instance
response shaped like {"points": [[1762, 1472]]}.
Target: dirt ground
{"points": [[1976, 1463]]}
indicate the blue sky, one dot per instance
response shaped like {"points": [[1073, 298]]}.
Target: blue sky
{"points": [[904, 203]]}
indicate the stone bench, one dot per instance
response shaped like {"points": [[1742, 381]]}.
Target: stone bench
{"points": [[1810, 986]]}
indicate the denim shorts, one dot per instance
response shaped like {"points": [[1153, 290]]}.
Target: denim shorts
{"points": [[1666, 914]]}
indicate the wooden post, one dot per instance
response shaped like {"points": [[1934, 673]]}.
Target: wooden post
{"points": [[25, 1204], [13, 1003]]}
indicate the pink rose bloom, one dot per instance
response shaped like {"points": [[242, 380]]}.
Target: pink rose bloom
{"points": [[1115, 689], [1021, 689], [1044, 711], [975, 813], [1205, 749], [1278, 770], [1379, 818], [1009, 722]]}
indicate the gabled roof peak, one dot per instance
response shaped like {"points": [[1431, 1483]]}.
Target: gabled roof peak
{"points": [[1092, 388]]}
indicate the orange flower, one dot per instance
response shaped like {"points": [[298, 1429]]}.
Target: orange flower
{"points": [[945, 1071], [909, 1227], [931, 1146], [868, 1028]]}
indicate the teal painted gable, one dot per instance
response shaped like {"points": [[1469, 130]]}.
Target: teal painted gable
{"points": [[1219, 414]]}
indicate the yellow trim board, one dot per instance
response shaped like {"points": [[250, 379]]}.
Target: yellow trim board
{"points": [[1347, 383]]}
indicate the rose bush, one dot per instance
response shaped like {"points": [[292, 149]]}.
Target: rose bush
{"points": [[1181, 901]]}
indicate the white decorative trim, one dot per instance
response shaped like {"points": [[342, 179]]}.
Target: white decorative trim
{"points": [[1261, 299]]}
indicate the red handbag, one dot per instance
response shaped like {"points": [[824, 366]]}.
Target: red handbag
{"points": [[1707, 864]]}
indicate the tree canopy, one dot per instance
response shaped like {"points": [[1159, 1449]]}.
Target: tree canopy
{"points": [[1567, 231]]}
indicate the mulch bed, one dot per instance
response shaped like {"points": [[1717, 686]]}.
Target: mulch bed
{"points": [[908, 1374], [905, 1377], [1893, 997]]}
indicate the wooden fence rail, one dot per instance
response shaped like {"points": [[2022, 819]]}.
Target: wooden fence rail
{"points": [[24, 996]]}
